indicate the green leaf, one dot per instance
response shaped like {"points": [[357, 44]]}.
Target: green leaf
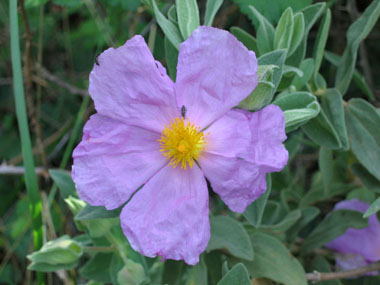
{"points": [[263, 93], [273, 212], [172, 272], [58, 252], [368, 180], [357, 32], [212, 7], [45, 267], [97, 268], [359, 79], [254, 212], [317, 193], [361, 194], [247, 40], [100, 227], [319, 84], [170, 30], [237, 275], [64, 181], [270, 65], [320, 43], [259, 97], [363, 125], [311, 14], [374, 208], [294, 100], [188, 16], [298, 107], [274, 261], [331, 227], [34, 3], [297, 117], [76, 205], [265, 33], [271, 10], [277, 58], [229, 234], [265, 72], [171, 55], [172, 15], [321, 131], [284, 30], [298, 33], [289, 220], [289, 71], [132, 274], [332, 104], [325, 162], [225, 268], [97, 212], [116, 266], [198, 273], [307, 215], [23, 128], [307, 66], [214, 265]]}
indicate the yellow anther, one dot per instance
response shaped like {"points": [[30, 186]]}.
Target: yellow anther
{"points": [[181, 143]]}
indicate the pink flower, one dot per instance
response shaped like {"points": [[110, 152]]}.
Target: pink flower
{"points": [[169, 136], [357, 247]]}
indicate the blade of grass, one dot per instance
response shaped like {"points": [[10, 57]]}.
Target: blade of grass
{"points": [[30, 176]]}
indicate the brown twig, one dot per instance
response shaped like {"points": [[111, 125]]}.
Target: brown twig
{"points": [[318, 276], [71, 88], [47, 142], [6, 169]]}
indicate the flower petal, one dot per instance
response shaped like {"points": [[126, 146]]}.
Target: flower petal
{"points": [[237, 182], [229, 136], [169, 215], [127, 84], [268, 133], [365, 242], [352, 261], [215, 72], [113, 160], [243, 148]]}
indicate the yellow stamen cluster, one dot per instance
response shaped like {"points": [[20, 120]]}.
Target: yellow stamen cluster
{"points": [[182, 143]]}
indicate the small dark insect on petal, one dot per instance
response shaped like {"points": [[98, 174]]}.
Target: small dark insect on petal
{"points": [[183, 111], [96, 59]]}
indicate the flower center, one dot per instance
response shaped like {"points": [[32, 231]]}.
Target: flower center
{"points": [[181, 142]]}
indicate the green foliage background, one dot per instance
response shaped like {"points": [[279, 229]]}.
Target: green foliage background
{"points": [[318, 62]]}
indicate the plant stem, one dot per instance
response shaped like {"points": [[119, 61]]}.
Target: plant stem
{"points": [[317, 276]]}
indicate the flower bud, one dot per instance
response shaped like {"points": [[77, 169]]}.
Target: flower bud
{"points": [[60, 252]]}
